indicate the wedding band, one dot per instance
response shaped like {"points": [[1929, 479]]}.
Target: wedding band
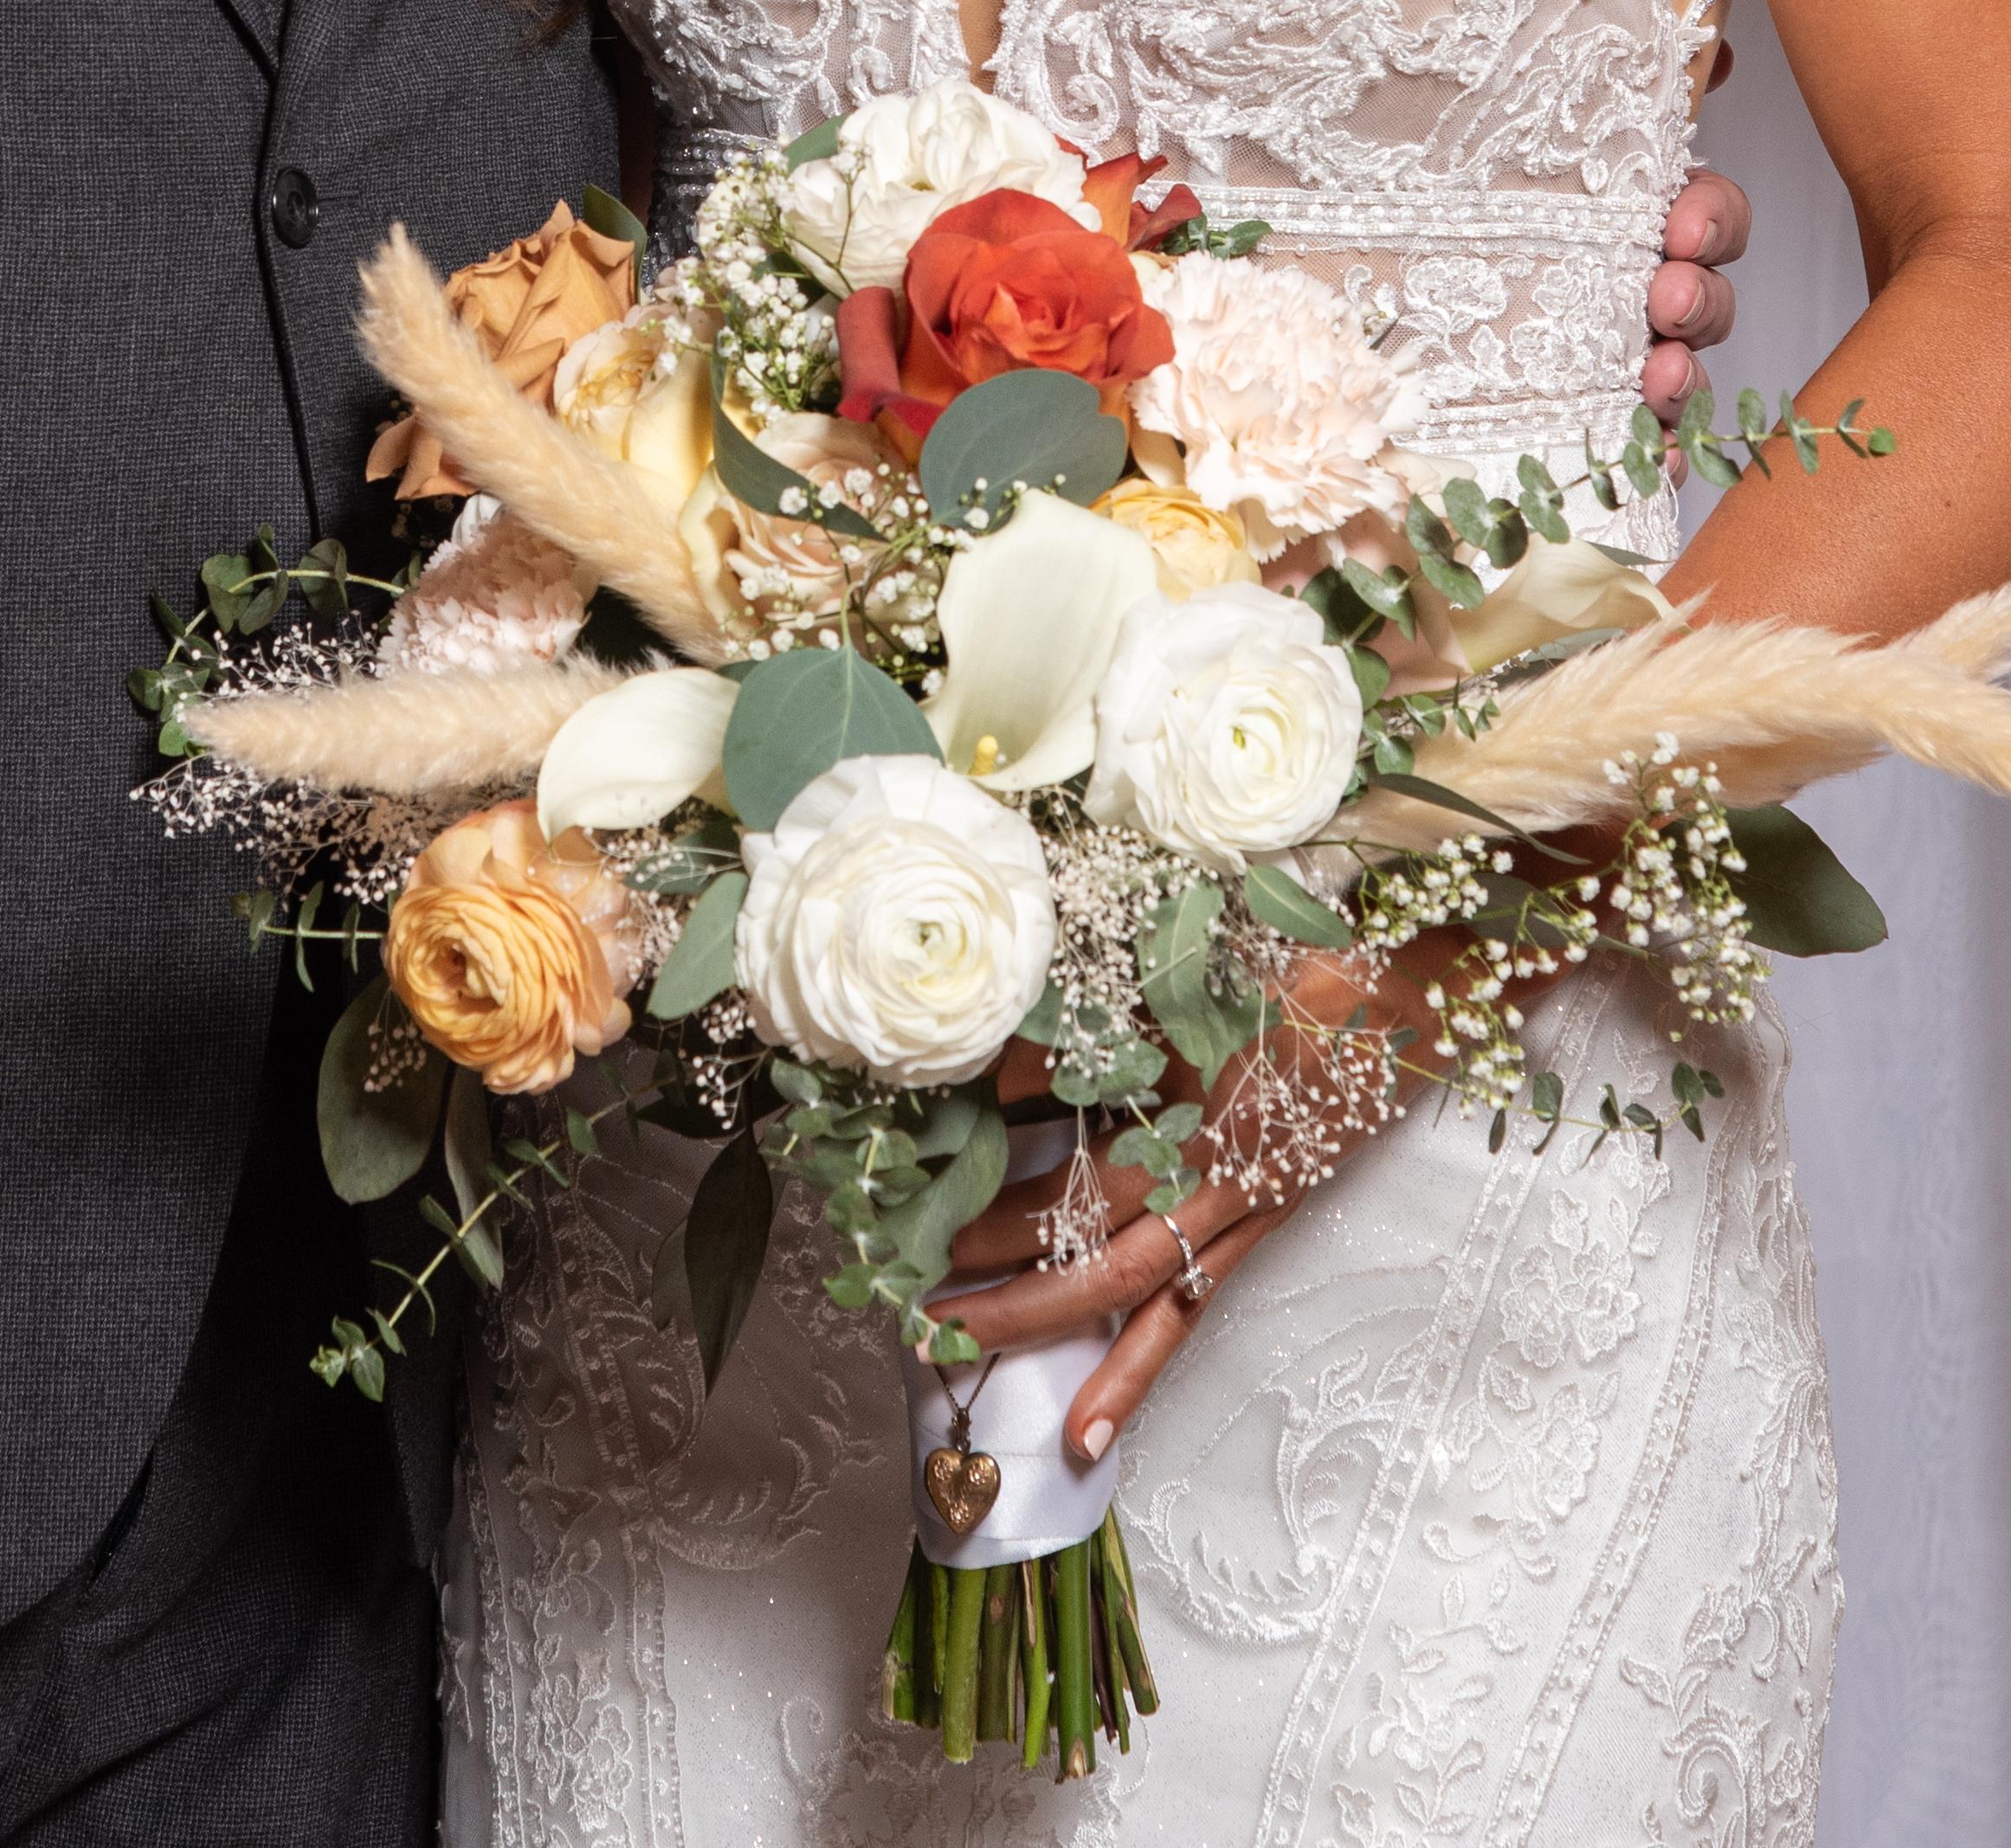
{"points": [[1194, 1283]]}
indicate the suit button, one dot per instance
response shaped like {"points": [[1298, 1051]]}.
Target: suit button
{"points": [[296, 206]]}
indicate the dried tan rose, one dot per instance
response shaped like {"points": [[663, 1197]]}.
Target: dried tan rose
{"points": [[525, 304], [513, 957]]}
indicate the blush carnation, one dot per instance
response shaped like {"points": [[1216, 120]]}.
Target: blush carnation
{"points": [[1286, 411]]}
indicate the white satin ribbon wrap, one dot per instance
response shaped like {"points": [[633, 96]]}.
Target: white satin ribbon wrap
{"points": [[1048, 1498]]}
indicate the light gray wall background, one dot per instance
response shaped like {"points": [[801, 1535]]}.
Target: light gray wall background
{"points": [[1901, 1097]]}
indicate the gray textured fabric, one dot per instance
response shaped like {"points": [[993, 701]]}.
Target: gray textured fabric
{"points": [[176, 374]]}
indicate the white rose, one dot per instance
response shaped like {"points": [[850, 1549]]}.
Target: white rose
{"points": [[897, 919], [1225, 728], [1286, 411], [910, 159]]}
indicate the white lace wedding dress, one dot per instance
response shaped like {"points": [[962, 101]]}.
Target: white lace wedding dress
{"points": [[1495, 1502]]}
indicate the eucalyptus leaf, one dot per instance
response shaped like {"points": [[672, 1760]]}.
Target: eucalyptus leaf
{"points": [[1207, 1023], [1044, 428], [692, 862], [753, 477], [1044, 1022], [920, 1228], [1800, 899], [1277, 899], [800, 713], [373, 1141], [700, 967], [724, 1243], [820, 143]]}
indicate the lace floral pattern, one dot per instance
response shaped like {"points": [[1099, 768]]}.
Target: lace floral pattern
{"points": [[1493, 173]]}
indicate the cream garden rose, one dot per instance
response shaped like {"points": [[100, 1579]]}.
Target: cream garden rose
{"points": [[1195, 546], [511, 955], [898, 920], [643, 399], [1226, 729], [902, 161], [1285, 413], [792, 572]]}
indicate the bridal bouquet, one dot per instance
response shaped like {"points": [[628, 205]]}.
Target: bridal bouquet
{"points": [[964, 602]]}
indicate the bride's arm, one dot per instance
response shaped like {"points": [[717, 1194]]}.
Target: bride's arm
{"points": [[1912, 102]]}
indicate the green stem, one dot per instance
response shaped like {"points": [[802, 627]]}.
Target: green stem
{"points": [[897, 1673], [995, 1654], [1033, 1669], [1117, 1718], [1074, 1678], [320, 576], [928, 1701], [1138, 1669], [960, 1669], [938, 1628]]}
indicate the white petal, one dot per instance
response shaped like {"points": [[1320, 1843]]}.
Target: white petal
{"points": [[1556, 590], [1029, 619], [629, 756]]}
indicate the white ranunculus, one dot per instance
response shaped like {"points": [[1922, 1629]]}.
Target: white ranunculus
{"points": [[1226, 729], [909, 159], [898, 920], [1286, 411]]}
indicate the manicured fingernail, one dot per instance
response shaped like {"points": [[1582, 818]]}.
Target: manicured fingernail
{"points": [[1694, 310], [1707, 245], [1096, 1438]]}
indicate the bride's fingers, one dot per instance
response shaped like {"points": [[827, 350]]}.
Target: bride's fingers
{"points": [[1151, 1336], [1037, 1305]]}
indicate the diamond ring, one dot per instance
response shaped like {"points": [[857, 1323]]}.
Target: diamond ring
{"points": [[1194, 1283]]}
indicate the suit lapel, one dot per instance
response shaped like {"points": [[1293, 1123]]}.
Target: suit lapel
{"points": [[262, 23]]}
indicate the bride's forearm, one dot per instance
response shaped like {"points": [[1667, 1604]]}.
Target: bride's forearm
{"points": [[1911, 102], [1884, 548]]}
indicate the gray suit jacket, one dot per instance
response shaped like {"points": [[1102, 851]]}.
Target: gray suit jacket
{"points": [[173, 371]]}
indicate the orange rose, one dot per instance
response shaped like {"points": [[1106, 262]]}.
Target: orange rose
{"points": [[1002, 284], [510, 956], [526, 304]]}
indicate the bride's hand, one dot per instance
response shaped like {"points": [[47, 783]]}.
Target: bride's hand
{"points": [[1691, 306], [1134, 1274]]}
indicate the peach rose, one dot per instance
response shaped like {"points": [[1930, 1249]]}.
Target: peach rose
{"points": [[510, 956], [525, 305], [1195, 546]]}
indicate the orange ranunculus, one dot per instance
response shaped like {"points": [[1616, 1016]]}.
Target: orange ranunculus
{"points": [[1009, 282], [525, 305]]}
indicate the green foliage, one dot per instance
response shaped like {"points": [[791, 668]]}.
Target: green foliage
{"points": [[1238, 240], [756, 478], [694, 860], [701, 966], [1036, 429], [372, 1141], [722, 1246], [1208, 1014], [1434, 546], [1277, 899], [800, 713], [1800, 899], [1543, 501], [820, 143], [1422, 789], [604, 212]]}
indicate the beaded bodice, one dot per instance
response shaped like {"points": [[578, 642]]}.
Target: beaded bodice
{"points": [[1493, 173]]}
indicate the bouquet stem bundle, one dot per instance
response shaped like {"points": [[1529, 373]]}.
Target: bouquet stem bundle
{"points": [[1048, 1648]]}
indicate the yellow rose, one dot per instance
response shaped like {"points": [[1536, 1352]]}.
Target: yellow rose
{"points": [[1195, 547], [525, 305], [511, 955], [641, 401]]}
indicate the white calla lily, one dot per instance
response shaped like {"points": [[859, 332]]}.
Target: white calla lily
{"points": [[1029, 619], [1556, 591], [631, 755]]}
